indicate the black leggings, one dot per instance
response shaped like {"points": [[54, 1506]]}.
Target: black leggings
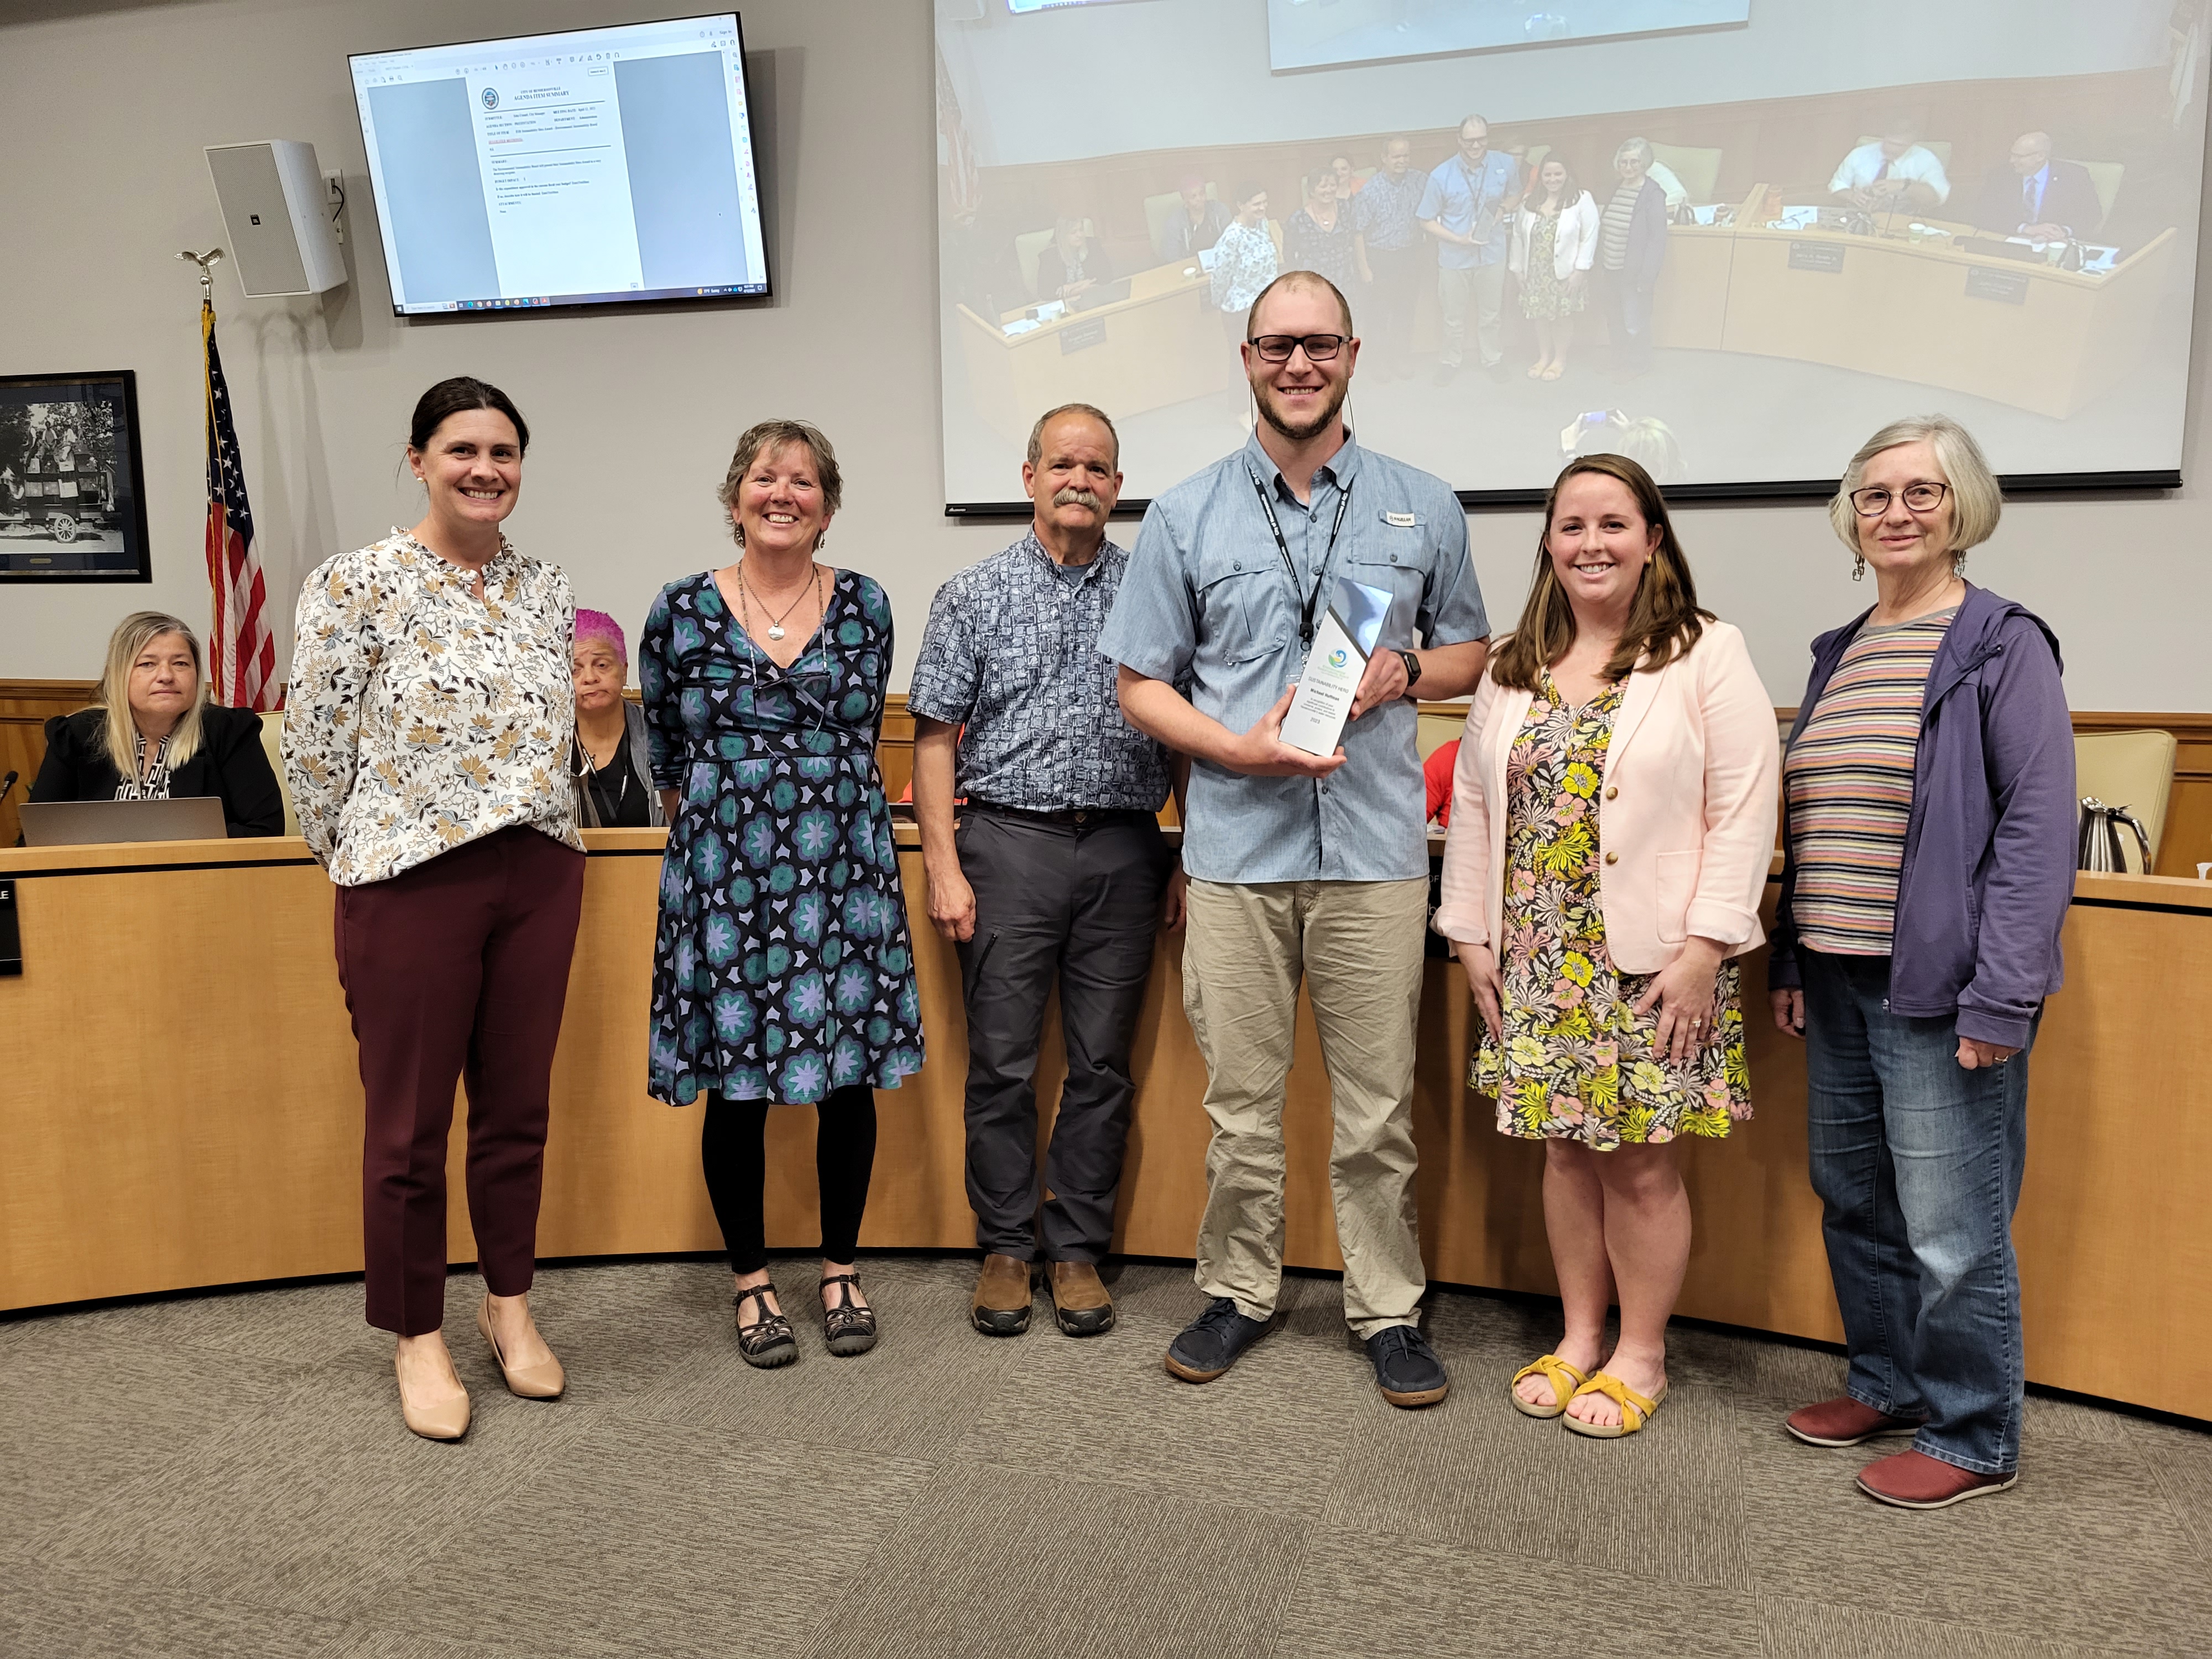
{"points": [[733, 1151]]}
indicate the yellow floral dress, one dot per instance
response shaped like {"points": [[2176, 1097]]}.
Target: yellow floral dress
{"points": [[1577, 1062]]}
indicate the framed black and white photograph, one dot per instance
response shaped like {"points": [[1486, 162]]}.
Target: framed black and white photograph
{"points": [[72, 484]]}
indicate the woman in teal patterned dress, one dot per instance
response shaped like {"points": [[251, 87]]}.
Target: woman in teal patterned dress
{"points": [[782, 969], [1613, 819]]}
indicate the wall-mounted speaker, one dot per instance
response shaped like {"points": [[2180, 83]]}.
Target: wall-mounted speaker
{"points": [[275, 209]]}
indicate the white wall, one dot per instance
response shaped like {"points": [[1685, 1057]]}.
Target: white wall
{"points": [[102, 120]]}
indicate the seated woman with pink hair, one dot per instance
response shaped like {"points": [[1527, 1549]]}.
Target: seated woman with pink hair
{"points": [[609, 761]]}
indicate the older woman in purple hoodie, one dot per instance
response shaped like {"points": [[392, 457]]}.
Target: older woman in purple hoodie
{"points": [[1928, 810]]}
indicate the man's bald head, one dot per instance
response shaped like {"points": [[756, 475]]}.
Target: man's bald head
{"points": [[1303, 282]]}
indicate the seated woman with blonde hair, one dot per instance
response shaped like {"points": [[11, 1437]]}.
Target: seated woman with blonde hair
{"points": [[1613, 819], [151, 734]]}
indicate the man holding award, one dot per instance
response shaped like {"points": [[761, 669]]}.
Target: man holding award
{"points": [[1301, 589]]}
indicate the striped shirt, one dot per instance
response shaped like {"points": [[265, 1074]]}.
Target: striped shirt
{"points": [[1847, 783], [1613, 228]]}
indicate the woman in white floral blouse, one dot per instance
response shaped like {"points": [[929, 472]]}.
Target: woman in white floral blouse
{"points": [[427, 746]]}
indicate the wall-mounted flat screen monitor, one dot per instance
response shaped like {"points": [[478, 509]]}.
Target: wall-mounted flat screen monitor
{"points": [[590, 167]]}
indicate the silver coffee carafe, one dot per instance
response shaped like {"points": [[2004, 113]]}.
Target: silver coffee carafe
{"points": [[2099, 847]]}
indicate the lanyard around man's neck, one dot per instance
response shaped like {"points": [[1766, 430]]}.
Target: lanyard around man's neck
{"points": [[1307, 600]]}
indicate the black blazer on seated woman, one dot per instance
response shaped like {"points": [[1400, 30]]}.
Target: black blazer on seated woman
{"points": [[230, 764]]}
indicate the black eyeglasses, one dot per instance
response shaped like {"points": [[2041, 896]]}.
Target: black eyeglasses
{"points": [[1919, 498], [1278, 348]]}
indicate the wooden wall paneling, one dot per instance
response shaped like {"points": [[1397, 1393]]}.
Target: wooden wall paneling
{"points": [[185, 1115], [167, 1129], [25, 706], [2115, 1252]]}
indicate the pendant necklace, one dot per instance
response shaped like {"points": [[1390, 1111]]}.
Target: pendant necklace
{"points": [[775, 624]]}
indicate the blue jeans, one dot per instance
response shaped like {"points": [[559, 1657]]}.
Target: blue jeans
{"points": [[1917, 1161]]}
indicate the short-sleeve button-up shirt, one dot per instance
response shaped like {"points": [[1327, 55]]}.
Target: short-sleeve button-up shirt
{"points": [[1011, 652], [1382, 212], [1207, 604], [1464, 200]]}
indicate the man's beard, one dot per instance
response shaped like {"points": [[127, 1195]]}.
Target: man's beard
{"points": [[1074, 497], [1299, 432]]}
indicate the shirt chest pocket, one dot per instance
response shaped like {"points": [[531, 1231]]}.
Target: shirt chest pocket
{"points": [[1245, 607], [1393, 556]]}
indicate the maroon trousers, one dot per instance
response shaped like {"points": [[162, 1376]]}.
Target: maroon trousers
{"points": [[457, 969]]}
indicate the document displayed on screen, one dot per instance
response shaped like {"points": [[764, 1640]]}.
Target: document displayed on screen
{"points": [[565, 169], [1731, 237]]}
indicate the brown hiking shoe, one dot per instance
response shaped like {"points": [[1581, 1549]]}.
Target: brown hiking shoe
{"points": [[1081, 1306], [1843, 1422], [1914, 1480], [1002, 1297]]}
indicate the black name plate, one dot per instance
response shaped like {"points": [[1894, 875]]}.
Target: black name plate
{"points": [[2009, 286], [1818, 256], [11, 936], [1081, 337]]}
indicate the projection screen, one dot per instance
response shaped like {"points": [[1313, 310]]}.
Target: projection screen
{"points": [[1836, 215]]}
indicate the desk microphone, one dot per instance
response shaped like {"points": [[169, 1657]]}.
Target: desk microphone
{"points": [[7, 783]]}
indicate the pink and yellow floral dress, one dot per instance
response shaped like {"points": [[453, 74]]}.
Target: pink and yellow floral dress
{"points": [[1577, 1062]]}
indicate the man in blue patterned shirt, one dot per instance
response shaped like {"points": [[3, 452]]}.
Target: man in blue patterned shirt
{"points": [[1393, 253], [1055, 867]]}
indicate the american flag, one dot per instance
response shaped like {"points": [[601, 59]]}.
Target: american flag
{"points": [[241, 652]]}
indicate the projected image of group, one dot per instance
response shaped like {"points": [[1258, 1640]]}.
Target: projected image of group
{"points": [[1870, 211]]}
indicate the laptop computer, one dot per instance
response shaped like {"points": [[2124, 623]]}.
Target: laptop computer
{"points": [[1105, 294], [88, 822]]}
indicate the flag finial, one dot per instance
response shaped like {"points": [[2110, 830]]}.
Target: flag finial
{"points": [[207, 263]]}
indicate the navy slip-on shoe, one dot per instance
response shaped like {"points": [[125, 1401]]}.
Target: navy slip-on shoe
{"points": [[1211, 1343], [1407, 1368]]}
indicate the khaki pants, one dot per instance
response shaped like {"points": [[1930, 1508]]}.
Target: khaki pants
{"points": [[1357, 945], [1486, 286]]}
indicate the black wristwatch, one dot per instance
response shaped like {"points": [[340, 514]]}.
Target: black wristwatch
{"points": [[1412, 668]]}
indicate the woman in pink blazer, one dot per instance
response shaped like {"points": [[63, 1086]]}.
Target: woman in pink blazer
{"points": [[1613, 821]]}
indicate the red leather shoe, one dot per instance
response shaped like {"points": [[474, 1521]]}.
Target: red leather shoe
{"points": [[1914, 1480], [1843, 1422]]}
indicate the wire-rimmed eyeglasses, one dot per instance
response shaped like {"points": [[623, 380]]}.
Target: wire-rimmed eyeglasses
{"points": [[1873, 502]]}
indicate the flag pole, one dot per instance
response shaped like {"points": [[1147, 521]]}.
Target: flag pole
{"points": [[242, 655], [221, 664]]}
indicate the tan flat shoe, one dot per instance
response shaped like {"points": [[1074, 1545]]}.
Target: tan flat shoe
{"points": [[543, 1382], [444, 1419]]}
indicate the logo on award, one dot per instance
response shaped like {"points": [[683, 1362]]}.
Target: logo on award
{"points": [[1336, 658], [491, 98]]}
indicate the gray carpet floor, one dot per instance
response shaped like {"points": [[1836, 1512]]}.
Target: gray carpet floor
{"points": [[227, 1475]]}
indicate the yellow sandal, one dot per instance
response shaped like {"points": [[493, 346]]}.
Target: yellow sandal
{"points": [[1635, 1410], [1564, 1379]]}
